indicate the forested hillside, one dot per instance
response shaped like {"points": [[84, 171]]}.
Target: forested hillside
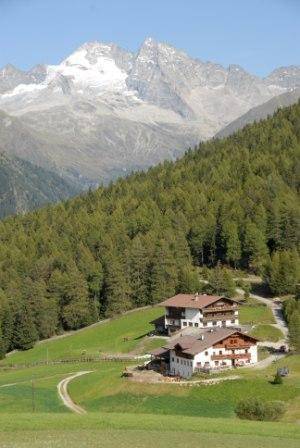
{"points": [[25, 186], [138, 241]]}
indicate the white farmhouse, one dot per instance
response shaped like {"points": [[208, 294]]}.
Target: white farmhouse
{"points": [[197, 310], [210, 350]]}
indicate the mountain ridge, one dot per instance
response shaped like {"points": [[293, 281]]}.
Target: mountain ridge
{"points": [[104, 111]]}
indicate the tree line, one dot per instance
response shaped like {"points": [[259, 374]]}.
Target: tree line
{"points": [[233, 201]]}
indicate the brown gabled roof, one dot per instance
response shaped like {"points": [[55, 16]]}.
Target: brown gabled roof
{"points": [[159, 351], [198, 301], [192, 344]]}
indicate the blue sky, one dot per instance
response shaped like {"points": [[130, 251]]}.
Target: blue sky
{"points": [[257, 34]]}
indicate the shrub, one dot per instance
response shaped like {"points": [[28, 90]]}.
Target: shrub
{"points": [[254, 409], [277, 379]]}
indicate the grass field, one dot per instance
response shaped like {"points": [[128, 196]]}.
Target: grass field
{"points": [[266, 332], [255, 313], [130, 430], [127, 414], [105, 391], [120, 335]]}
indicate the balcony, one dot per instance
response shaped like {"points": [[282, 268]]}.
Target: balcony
{"points": [[220, 308], [220, 317], [237, 346], [231, 356]]}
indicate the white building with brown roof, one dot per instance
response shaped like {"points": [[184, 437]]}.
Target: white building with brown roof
{"points": [[200, 311], [212, 349]]}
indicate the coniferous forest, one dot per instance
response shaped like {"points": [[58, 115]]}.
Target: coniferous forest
{"points": [[233, 201]]}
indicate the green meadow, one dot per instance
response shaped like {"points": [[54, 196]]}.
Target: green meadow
{"points": [[125, 413], [124, 334]]}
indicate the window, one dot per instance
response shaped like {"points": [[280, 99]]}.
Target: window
{"points": [[216, 363], [190, 324], [184, 324], [233, 321], [206, 353], [214, 322], [246, 350], [220, 352], [177, 360], [204, 324], [196, 324], [172, 359]]}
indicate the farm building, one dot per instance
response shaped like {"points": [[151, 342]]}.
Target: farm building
{"points": [[199, 311], [211, 349]]}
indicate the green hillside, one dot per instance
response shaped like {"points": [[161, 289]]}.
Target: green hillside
{"points": [[233, 201], [127, 333]]}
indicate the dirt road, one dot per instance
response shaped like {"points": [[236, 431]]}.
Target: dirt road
{"points": [[62, 388]]}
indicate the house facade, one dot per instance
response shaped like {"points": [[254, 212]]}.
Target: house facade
{"points": [[211, 350], [199, 311]]}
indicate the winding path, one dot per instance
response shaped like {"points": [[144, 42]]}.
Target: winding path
{"points": [[276, 308], [62, 388]]}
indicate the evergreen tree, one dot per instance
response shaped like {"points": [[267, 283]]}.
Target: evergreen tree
{"points": [[164, 277], [116, 285], [139, 272], [283, 272], [232, 242], [294, 330], [221, 282], [255, 247], [25, 334]]}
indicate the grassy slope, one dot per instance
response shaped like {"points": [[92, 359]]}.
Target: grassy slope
{"points": [[149, 412], [103, 338], [267, 333], [139, 438], [258, 314], [142, 430], [108, 337], [109, 393]]}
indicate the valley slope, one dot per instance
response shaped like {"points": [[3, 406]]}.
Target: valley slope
{"points": [[24, 186]]}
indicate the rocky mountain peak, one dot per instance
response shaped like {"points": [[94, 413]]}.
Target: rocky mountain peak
{"points": [[287, 77]]}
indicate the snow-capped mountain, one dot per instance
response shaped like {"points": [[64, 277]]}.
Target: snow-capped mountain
{"points": [[104, 111]]}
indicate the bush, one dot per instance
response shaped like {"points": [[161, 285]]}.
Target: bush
{"points": [[254, 409], [277, 379]]}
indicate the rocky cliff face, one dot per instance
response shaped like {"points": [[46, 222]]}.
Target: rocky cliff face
{"points": [[104, 111]]}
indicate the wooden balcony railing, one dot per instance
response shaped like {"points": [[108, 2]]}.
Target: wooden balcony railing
{"points": [[220, 308], [220, 317], [231, 356]]}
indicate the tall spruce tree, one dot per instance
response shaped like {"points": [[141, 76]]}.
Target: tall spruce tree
{"points": [[25, 334]]}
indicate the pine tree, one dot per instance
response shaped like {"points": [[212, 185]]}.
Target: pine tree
{"points": [[116, 287], [221, 282], [139, 272], [283, 272], [294, 330], [25, 334], [255, 247], [2, 344], [232, 242], [164, 277]]}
